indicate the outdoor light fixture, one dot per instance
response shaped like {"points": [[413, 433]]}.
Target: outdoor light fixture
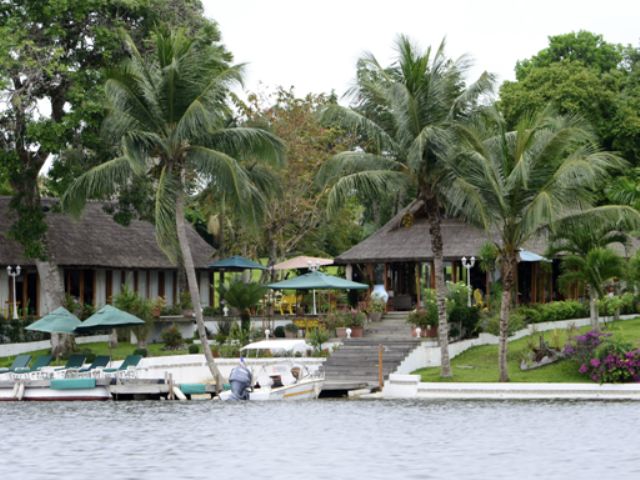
{"points": [[267, 332], [468, 265], [313, 266], [13, 273]]}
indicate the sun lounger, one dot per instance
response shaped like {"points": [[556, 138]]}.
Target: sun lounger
{"points": [[100, 362], [21, 361], [130, 362], [38, 364], [73, 362]]}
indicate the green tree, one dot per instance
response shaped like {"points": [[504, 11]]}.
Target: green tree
{"points": [[517, 183], [54, 57], [586, 260], [405, 115], [592, 271], [168, 116], [243, 296], [582, 74]]}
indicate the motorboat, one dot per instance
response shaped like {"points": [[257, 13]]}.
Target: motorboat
{"points": [[283, 378]]}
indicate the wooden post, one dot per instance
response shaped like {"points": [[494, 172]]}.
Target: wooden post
{"points": [[380, 375], [418, 274]]}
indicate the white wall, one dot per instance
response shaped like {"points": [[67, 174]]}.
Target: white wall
{"points": [[204, 286], [168, 287], [116, 282], [142, 283], [153, 284], [11, 349], [101, 288]]}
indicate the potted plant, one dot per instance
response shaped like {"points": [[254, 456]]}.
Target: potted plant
{"points": [[290, 330], [185, 304], [426, 319], [377, 308], [339, 322], [356, 324], [157, 306]]}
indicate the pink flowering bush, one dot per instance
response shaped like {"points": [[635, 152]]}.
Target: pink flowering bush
{"points": [[603, 359]]}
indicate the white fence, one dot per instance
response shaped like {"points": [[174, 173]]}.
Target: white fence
{"points": [[12, 349]]}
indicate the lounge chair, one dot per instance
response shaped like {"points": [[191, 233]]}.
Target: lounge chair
{"points": [[128, 363], [101, 361], [73, 362], [38, 364], [21, 361]]}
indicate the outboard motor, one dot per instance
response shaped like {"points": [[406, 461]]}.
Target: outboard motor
{"points": [[240, 380]]}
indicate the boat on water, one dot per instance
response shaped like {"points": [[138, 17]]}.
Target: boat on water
{"points": [[64, 389], [283, 379]]}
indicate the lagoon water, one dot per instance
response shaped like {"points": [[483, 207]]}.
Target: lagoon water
{"points": [[325, 439]]}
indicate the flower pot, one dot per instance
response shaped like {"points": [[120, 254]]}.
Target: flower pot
{"points": [[341, 332], [427, 332], [357, 332], [375, 316], [289, 334]]}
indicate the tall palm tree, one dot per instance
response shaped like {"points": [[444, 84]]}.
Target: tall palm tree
{"points": [[587, 261], [405, 114], [167, 114], [517, 183]]}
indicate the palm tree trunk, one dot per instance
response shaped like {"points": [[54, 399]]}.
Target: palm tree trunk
{"points": [[508, 274], [593, 309], [192, 282], [433, 216]]}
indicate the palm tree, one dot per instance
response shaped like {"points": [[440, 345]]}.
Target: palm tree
{"points": [[517, 183], [591, 271], [406, 115], [168, 116], [588, 261]]}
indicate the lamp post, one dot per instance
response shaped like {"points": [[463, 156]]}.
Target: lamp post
{"points": [[468, 265], [313, 266], [13, 272]]}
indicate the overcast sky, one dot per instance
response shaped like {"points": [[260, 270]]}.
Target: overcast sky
{"points": [[314, 45]]}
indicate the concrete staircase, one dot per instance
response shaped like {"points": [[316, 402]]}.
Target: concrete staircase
{"points": [[355, 364]]}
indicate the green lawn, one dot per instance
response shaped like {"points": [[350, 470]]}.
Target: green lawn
{"points": [[102, 348], [480, 364]]}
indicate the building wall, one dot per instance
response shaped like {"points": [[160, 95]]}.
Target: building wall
{"points": [[100, 294], [203, 285]]}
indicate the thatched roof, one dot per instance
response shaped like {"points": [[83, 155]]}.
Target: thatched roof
{"points": [[96, 240], [406, 238]]}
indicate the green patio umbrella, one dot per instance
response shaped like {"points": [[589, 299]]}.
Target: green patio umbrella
{"points": [[109, 317], [236, 264], [317, 281], [60, 320]]}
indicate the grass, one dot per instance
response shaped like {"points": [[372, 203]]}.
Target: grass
{"points": [[102, 348], [480, 364]]}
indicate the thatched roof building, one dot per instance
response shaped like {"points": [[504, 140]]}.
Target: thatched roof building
{"points": [[406, 238], [96, 240]]}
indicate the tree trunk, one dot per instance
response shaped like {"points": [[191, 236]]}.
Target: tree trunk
{"points": [[433, 215], [193, 289], [508, 273], [593, 309], [52, 294]]}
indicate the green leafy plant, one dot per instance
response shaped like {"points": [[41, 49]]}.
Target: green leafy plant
{"points": [[171, 338], [194, 348], [244, 297], [316, 337], [424, 317]]}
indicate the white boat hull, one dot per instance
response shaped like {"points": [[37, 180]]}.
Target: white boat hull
{"points": [[26, 393], [307, 389]]}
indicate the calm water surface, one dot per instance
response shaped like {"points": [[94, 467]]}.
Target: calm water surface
{"points": [[324, 439]]}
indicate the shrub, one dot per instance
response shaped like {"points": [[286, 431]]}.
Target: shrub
{"points": [[291, 328], [603, 359], [516, 322], [457, 293], [209, 311], [531, 314], [356, 319], [424, 317], [141, 351], [316, 337], [376, 305], [278, 332], [466, 317], [563, 310], [194, 348], [172, 338]]}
